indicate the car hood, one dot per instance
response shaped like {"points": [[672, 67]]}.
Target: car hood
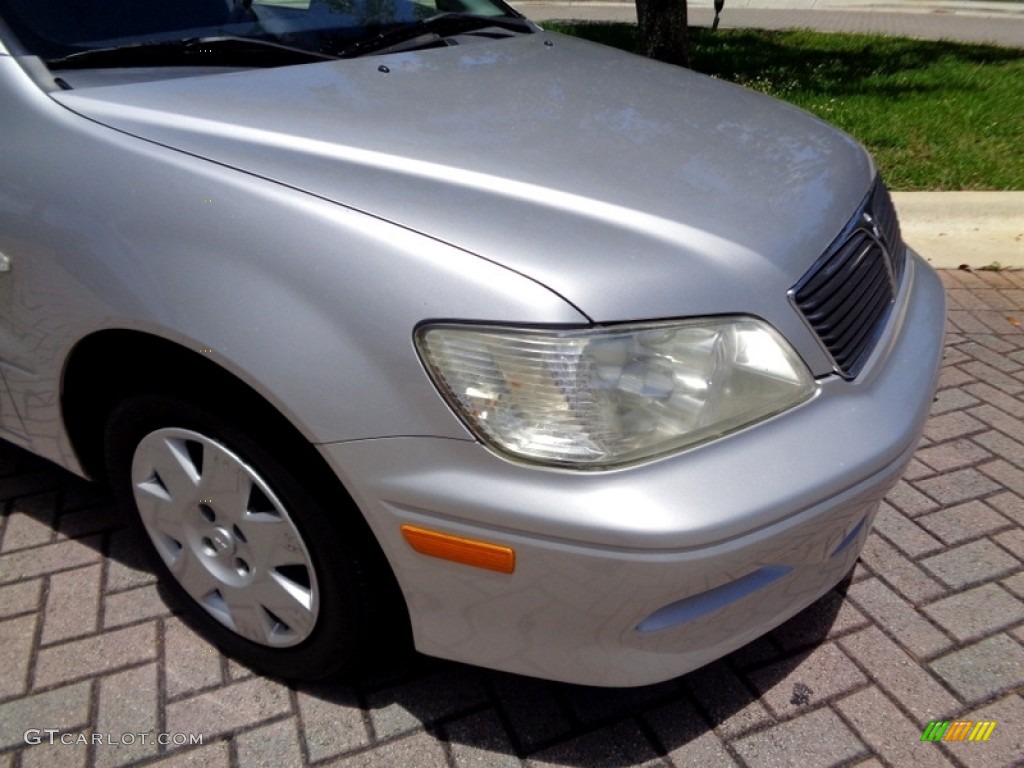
{"points": [[587, 169]]}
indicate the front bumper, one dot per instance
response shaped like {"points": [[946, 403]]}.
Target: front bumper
{"points": [[638, 575]]}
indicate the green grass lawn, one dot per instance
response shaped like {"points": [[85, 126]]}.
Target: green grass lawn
{"points": [[936, 115]]}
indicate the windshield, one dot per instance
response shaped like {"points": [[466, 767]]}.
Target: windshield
{"points": [[55, 29]]}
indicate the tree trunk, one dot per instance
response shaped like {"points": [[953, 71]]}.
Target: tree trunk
{"points": [[661, 25]]}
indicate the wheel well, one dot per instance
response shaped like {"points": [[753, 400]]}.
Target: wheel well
{"points": [[109, 366]]}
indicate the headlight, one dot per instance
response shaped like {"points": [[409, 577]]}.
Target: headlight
{"points": [[600, 397]]}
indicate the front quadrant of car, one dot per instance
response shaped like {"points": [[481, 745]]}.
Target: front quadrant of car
{"points": [[417, 322], [638, 574]]}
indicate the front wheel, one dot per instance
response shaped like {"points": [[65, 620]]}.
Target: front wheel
{"points": [[277, 576]]}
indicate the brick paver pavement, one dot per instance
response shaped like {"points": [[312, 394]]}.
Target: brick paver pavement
{"points": [[931, 627]]}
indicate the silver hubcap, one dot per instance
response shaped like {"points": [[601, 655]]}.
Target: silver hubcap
{"points": [[225, 537]]}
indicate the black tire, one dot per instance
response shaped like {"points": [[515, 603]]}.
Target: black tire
{"points": [[311, 619]]}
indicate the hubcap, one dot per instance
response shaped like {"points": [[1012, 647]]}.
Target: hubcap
{"points": [[225, 536]]}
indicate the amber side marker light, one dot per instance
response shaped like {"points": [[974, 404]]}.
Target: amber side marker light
{"points": [[479, 554]]}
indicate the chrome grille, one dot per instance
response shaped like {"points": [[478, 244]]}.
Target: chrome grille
{"points": [[846, 296]]}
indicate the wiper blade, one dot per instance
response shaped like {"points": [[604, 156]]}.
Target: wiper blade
{"points": [[431, 30], [215, 51]]}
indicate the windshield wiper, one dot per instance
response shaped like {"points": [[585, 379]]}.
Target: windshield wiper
{"points": [[214, 51], [432, 30]]}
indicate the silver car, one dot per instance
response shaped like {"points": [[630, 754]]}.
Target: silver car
{"points": [[407, 325]]}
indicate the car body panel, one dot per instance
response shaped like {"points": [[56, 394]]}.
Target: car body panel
{"points": [[645, 183], [93, 228]]}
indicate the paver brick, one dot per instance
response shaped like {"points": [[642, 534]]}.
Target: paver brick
{"points": [[958, 486], [1015, 584], [25, 530], [826, 672], [991, 396], [899, 675], [909, 500], [992, 342], [58, 755], [530, 708], [128, 704], [332, 721], [826, 618], [1002, 445], [404, 708], [972, 563], [954, 454], [984, 669], [822, 737], [94, 655], [964, 321], [1005, 746], [620, 744], [732, 707], [964, 521], [998, 379], [34, 478], [60, 556], [999, 420], [272, 746], [190, 663], [127, 565], [1008, 504], [134, 605], [952, 378], [1000, 322], [901, 573], [419, 750], [83, 522], [905, 533], [685, 736], [900, 618], [480, 741], [65, 708], [589, 705], [20, 597], [72, 604], [948, 426], [986, 354], [916, 469], [210, 755], [888, 731], [952, 400], [238, 671], [228, 709], [977, 612], [16, 637], [1013, 541]]}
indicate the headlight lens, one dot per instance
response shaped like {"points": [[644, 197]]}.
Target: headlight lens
{"points": [[600, 397]]}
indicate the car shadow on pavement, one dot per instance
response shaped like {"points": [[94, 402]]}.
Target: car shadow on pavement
{"points": [[495, 718], [55, 525]]}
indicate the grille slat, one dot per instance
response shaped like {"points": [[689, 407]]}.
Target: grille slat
{"points": [[846, 297]]}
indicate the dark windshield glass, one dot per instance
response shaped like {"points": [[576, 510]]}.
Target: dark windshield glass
{"points": [[58, 28]]}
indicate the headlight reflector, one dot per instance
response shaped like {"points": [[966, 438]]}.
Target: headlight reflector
{"points": [[600, 397]]}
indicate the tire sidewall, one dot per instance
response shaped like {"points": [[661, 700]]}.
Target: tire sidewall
{"points": [[337, 639]]}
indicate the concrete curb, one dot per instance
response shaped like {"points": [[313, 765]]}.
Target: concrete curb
{"points": [[980, 229]]}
